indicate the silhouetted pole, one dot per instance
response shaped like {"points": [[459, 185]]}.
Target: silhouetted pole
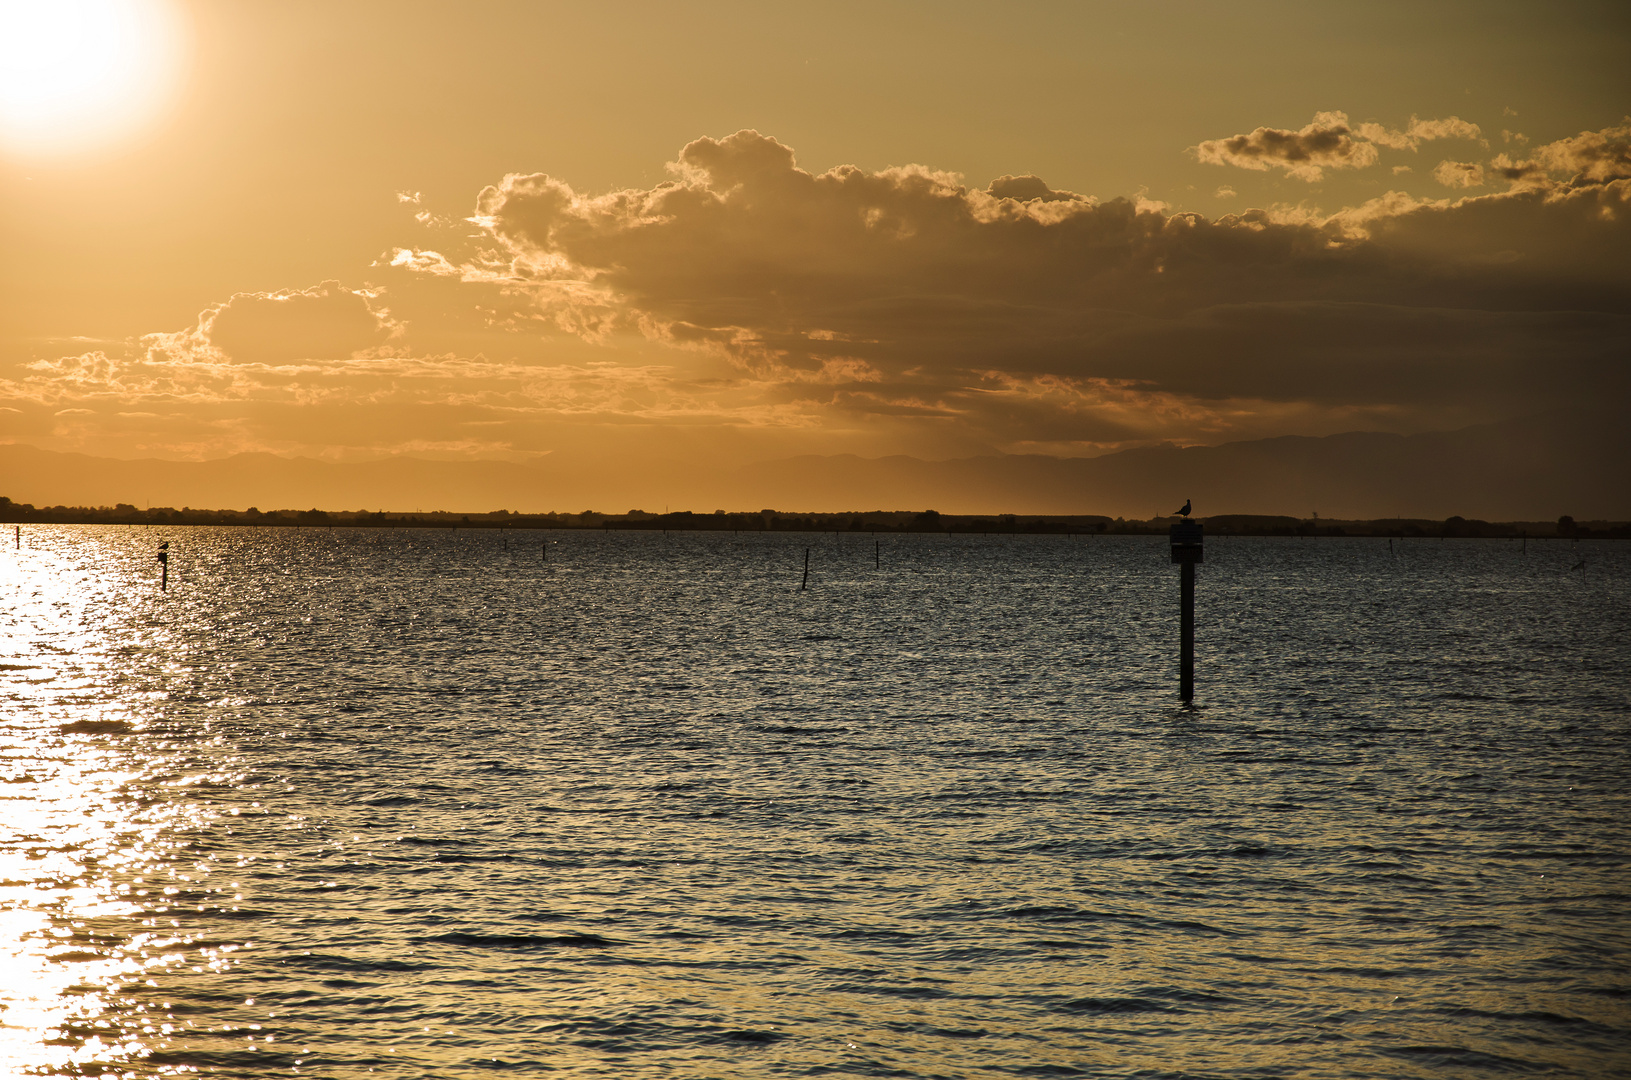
{"points": [[1187, 551], [877, 554], [805, 584], [164, 566], [19, 537]]}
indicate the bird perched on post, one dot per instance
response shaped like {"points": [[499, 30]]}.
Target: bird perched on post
{"points": [[1185, 511]]}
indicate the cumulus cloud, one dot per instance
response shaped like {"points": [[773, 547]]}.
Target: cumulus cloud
{"points": [[905, 291], [1459, 174], [324, 322], [1591, 158], [745, 294], [1328, 142], [1331, 141]]}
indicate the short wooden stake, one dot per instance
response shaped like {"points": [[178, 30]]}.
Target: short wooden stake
{"points": [[805, 584]]}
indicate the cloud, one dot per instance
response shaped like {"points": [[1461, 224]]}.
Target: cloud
{"points": [[1419, 131], [745, 301], [1326, 143], [1588, 159], [1459, 174], [1331, 141], [1017, 309], [1592, 157], [326, 321]]}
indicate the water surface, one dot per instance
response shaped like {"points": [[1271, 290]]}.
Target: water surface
{"points": [[432, 804]]}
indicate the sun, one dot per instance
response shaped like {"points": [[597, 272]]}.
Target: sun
{"points": [[80, 73]]}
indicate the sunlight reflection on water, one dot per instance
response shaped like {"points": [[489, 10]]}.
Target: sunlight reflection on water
{"points": [[413, 803]]}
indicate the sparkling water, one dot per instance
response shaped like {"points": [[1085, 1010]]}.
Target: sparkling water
{"points": [[455, 804]]}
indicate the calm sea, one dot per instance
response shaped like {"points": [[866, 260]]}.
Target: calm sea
{"points": [[433, 804]]}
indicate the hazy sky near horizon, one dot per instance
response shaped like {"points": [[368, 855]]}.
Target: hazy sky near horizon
{"points": [[731, 232]]}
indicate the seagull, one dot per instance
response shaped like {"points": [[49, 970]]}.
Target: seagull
{"points": [[1185, 511]]}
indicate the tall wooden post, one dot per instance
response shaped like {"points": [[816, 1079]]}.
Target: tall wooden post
{"points": [[164, 566], [1187, 539]]}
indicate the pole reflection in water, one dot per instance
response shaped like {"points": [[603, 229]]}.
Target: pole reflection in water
{"points": [[379, 804]]}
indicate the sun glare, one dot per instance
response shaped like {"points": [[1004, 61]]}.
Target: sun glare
{"points": [[76, 73]]}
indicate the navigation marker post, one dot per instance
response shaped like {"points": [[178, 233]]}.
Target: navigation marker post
{"points": [[1187, 539], [164, 565]]}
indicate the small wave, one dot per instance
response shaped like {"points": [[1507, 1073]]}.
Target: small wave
{"points": [[390, 800], [430, 841], [524, 941], [335, 962], [1117, 1005], [1459, 1057], [230, 1062], [95, 727], [760, 1038], [1536, 1015], [794, 729]]}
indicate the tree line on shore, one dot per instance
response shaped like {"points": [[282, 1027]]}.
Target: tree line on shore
{"points": [[884, 521]]}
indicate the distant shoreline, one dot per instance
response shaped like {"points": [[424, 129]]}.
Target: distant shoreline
{"points": [[874, 521]]}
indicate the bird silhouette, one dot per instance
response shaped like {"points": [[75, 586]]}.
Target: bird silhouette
{"points": [[1185, 511]]}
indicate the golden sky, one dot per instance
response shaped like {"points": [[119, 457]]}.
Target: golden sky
{"points": [[731, 232]]}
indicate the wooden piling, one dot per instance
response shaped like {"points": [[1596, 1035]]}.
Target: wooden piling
{"points": [[877, 554], [805, 584], [1187, 550], [1186, 632]]}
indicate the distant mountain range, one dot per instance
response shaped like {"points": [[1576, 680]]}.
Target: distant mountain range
{"points": [[1534, 469]]}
